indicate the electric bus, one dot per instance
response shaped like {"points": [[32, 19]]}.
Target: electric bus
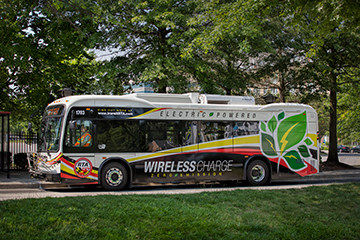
{"points": [[121, 141]]}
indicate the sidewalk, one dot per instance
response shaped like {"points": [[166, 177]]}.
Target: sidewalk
{"points": [[22, 179]]}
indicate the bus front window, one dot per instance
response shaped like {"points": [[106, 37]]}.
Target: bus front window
{"points": [[50, 134], [50, 130]]}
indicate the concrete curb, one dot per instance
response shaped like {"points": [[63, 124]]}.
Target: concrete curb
{"points": [[31, 185]]}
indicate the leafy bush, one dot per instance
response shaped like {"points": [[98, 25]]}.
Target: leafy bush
{"points": [[20, 160]]}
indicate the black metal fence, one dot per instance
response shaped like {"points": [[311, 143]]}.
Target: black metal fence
{"points": [[20, 144]]}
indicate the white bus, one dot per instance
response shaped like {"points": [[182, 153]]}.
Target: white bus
{"points": [[120, 141]]}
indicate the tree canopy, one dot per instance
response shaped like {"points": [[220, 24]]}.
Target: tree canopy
{"points": [[310, 48], [41, 53], [326, 23]]}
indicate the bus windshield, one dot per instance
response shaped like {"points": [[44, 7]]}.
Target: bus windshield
{"points": [[50, 129]]}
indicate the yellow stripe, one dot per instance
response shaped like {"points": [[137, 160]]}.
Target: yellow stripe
{"points": [[55, 159], [151, 155], [58, 157], [148, 112], [247, 140], [67, 169], [202, 146]]}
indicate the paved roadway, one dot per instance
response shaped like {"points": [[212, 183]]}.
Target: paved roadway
{"points": [[323, 178]]}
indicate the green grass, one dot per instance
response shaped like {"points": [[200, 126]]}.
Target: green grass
{"points": [[323, 212]]}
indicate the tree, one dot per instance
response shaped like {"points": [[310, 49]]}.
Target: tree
{"points": [[148, 36], [226, 45], [323, 16], [349, 110], [335, 63], [42, 51], [226, 69], [328, 22], [335, 28], [280, 67]]}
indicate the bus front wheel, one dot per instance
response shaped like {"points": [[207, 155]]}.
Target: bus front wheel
{"points": [[114, 176], [257, 173]]}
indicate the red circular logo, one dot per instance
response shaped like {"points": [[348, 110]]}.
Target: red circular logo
{"points": [[83, 167]]}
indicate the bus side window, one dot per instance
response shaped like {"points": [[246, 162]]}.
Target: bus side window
{"points": [[191, 133], [118, 135], [156, 135], [81, 136], [162, 135], [245, 128]]}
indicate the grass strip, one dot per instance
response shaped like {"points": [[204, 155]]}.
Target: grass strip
{"points": [[320, 212]]}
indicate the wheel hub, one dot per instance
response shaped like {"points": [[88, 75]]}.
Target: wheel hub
{"points": [[258, 173], [114, 176]]}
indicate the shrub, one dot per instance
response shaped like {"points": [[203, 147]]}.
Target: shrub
{"points": [[20, 160]]}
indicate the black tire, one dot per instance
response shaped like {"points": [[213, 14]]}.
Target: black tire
{"points": [[257, 173], [114, 176]]}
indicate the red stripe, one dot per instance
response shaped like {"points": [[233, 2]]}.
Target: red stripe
{"points": [[67, 162], [51, 163], [308, 170], [88, 183], [64, 175], [94, 174], [162, 109]]}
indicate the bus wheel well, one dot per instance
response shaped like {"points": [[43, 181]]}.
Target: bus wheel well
{"points": [[257, 171], [116, 160]]}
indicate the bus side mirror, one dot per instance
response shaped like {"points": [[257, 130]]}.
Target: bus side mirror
{"points": [[72, 125]]}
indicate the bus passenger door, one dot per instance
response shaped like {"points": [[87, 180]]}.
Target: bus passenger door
{"points": [[77, 165]]}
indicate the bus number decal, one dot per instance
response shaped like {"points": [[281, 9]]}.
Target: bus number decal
{"points": [[80, 112]]}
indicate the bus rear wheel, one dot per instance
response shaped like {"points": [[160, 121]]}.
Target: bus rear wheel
{"points": [[257, 173], [114, 176]]}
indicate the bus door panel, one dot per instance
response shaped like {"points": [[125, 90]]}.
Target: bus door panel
{"points": [[79, 168]]}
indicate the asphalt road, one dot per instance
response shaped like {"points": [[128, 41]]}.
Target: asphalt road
{"points": [[352, 159]]}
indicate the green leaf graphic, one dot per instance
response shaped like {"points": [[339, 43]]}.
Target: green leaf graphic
{"points": [[268, 144], [308, 142], [281, 116], [272, 124], [304, 151], [294, 160], [263, 127], [291, 131]]}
